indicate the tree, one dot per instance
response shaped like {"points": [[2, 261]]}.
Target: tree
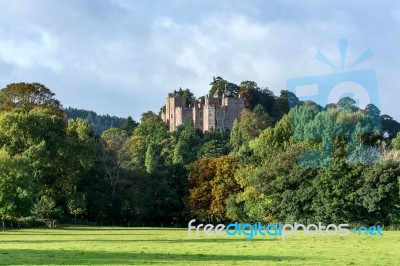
{"points": [[390, 127], [151, 161], [396, 142], [42, 138], [129, 126], [250, 126], [198, 200], [16, 186], [211, 182], [161, 203], [187, 94], [254, 95], [380, 193], [29, 96], [213, 149], [99, 123], [186, 149], [151, 128], [272, 141], [283, 104], [346, 103], [236, 140], [45, 208], [80, 148], [112, 141], [77, 203], [133, 153], [219, 85], [372, 110], [223, 185]]}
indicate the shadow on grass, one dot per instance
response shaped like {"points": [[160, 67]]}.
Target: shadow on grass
{"points": [[119, 228], [36, 257], [171, 241], [69, 234]]}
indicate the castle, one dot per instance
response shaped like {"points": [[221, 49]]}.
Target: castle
{"points": [[208, 114]]}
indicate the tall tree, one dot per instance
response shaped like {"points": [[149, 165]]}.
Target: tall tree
{"points": [[112, 141], [283, 104], [186, 149], [129, 126], [16, 186], [250, 126], [390, 127], [29, 96], [219, 85], [396, 142], [254, 95], [151, 128]]}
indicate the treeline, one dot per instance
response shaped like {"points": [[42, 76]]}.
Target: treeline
{"points": [[99, 123], [309, 163]]}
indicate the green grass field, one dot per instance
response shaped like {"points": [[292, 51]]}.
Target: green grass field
{"points": [[152, 246]]}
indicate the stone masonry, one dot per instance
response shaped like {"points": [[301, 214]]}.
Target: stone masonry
{"points": [[208, 114]]}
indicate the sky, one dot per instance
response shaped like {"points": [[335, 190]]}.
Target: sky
{"points": [[123, 57]]}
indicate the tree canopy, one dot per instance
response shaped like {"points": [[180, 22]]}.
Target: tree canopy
{"points": [[284, 160], [29, 96]]}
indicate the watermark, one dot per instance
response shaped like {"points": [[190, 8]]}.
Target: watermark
{"points": [[248, 231], [358, 85]]}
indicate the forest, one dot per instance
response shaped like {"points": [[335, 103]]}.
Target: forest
{"points": [[99, 123], [284, 160]]}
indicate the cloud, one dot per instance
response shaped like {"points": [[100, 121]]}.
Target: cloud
{"points": [[122, 57]]}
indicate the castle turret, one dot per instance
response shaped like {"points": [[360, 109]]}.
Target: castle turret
{"points": [[211, 114]]}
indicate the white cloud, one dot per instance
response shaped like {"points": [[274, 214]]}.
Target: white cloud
{"points": [[123, 57]]}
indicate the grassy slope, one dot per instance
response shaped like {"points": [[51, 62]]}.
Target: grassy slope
{"points": [[151, 246]]}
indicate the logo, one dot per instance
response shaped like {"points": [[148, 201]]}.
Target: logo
{"points": [[359, 85], [280, 230]]}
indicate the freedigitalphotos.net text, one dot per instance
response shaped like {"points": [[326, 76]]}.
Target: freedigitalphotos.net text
{"points": [[280, 230]]}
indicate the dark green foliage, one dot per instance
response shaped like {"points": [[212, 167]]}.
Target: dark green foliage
{"points": [[162, 204], [111, 170], [250, 126], [129, 125], [219, 85], [28, 96], [77, 203], [190, 99], [390, 127], [16, 186], [46, 208], [283, 104], [396, 142], [99, 123], [380, 192], [214, 148], [187, 145], [254, 95]]}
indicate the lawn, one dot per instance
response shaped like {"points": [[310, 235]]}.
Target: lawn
{"points": [[152, 246]]}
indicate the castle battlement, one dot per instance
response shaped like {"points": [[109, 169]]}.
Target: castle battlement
{"points": [[212, 113]]}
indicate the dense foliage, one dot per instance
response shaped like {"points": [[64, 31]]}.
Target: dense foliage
{"points": [[284, 160], [99, 123]]}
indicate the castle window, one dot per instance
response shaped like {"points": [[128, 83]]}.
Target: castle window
{"points": [[172, 116]]}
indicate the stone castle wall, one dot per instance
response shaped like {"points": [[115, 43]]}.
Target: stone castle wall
{"points": [[210, 114]]}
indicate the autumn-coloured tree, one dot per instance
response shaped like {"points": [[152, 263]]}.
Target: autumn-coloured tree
{"points": [[29, 96]]}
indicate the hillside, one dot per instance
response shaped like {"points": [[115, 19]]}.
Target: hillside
{"points": [[99, 123]]}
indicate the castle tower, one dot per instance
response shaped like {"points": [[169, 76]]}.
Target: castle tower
{"points": [[210, 114], [176, 111]]}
